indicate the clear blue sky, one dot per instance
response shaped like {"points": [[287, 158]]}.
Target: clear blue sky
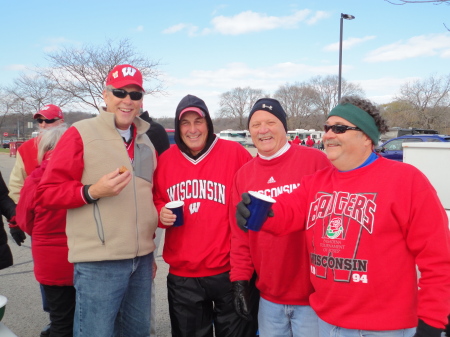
{"points": [[209, 47]]}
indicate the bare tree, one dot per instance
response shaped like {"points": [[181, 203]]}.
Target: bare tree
{"points": [[81, 72], [36, 91], [7, 103], [434, 2], [429, 99], [400, 114], [298, 100], [326, 89], [238, 102]]}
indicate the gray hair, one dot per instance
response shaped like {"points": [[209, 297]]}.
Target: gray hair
{"points": [[48, 139]]}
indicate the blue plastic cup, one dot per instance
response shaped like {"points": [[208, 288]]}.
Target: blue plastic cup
{"points": [[259, 207], [177, 208]]}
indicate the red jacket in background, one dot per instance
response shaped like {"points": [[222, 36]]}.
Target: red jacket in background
{"points": [[47, 228]]}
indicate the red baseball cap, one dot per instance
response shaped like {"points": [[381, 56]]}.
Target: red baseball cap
{"points": [[50, 111], [123, 75], [194, 109]]}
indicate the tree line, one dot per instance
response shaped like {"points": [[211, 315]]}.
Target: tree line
{"points": [[74, 80]]}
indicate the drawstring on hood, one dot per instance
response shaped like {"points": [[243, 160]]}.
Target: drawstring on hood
{"points": [[187, 102]]}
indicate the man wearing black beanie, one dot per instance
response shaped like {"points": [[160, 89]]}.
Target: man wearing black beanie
{"points": [[270, 105], [281, 263]]}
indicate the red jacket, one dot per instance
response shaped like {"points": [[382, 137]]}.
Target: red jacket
{"points": [[310, 142], [47, 227]]}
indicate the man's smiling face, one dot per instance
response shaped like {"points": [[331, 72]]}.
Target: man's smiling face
{"points": [[193, 131], [125, 109], [268, 133]]}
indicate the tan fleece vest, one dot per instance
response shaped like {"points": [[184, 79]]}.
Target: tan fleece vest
{"points": [[122, 226]]}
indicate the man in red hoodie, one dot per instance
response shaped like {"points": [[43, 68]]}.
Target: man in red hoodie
{"points": [[368, 222], [199, 170]]}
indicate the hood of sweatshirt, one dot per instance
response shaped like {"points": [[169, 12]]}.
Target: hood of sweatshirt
{"points": [[190, 101]]}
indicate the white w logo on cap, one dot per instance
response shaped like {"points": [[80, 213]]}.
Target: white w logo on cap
{"points": [[128, 71]]}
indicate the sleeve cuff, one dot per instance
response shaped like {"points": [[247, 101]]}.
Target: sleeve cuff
{"points": [[87, 196]]}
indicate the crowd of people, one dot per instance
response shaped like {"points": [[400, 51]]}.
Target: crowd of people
{"points": [[337, 255]]}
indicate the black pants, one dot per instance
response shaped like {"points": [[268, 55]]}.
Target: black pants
{"points": [[61, 302], [197, 305]]}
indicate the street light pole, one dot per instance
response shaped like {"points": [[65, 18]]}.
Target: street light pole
{"points": [[347, 17]]}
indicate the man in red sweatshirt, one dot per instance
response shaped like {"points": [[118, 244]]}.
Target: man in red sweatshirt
{"points": [[368, 222], [199, 171], [284, 308]]}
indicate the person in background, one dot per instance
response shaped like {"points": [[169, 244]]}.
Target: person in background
{"points": [[156, 133], [26, 158], [8, 210], [160, 140], [296, 140], [199, 170], [368, 222], [101, 171], [309, 141], [48, 117], [49, 245], [281, 263]]}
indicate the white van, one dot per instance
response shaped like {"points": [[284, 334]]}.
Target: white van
{"points": [[240, 136]]}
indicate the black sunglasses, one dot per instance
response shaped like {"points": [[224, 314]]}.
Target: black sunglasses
{"points": [[47, 121], [339, 128], [121, 93]]}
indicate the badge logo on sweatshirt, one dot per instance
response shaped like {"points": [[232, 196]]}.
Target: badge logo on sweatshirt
{"points": [[194, 207], [271, 180], [340, 221], [334, 228]]}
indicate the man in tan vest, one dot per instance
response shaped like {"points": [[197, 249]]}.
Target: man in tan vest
{"points": [[102, 173]]}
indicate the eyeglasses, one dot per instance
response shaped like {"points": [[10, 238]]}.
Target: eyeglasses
{"points": [[121, 93], [47, 121], [339, 128]]}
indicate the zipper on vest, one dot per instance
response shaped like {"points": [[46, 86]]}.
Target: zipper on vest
{"points": [[135, 209]]}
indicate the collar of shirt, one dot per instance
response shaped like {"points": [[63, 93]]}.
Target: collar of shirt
{"points": [[278, 153], [126, 134]]}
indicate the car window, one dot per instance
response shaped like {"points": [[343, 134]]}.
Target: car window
{"points": [[434, 140], [395, 145]]}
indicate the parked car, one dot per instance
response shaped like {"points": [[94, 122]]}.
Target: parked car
{"points": [[171, 134], [393, 148], [5, 144], [241, 136]]}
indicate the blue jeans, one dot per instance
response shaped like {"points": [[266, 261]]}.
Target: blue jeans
{"points": [[280, 320], [113, 297], [328, 330]]}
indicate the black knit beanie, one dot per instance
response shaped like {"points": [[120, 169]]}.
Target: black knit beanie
{"points": [[270, 105]]}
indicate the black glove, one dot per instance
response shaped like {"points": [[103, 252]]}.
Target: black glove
{"points": [[17, 234], [425, 330], [242, 212], [241, 299]]}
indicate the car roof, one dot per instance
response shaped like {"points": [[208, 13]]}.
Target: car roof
{"points": [[425, 136]]}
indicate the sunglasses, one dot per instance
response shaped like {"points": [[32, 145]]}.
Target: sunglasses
{"points": [[121, 93], [339, 128], [47, 121]]}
